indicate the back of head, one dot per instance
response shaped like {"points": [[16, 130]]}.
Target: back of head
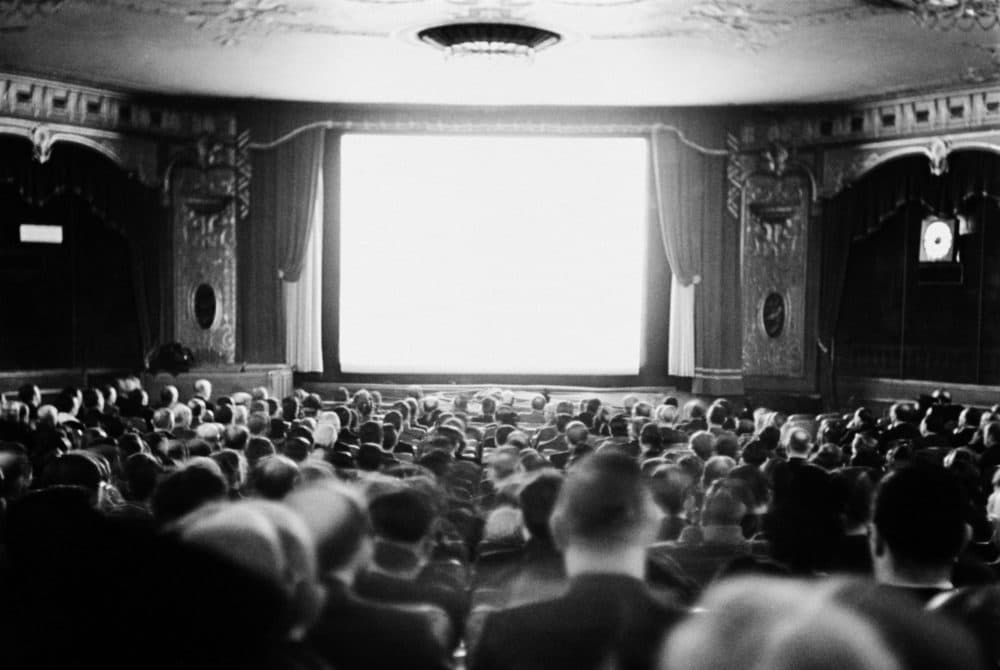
{"points": [[703, 444], [619, 425], [337, 518], [919, 511], [537, 499], [671, 484], [76, 468], [722, 507], [576, 433], [604, 504], [507, 416], [142, 472], [406, 515], [273, 477], [200, 481], [778, 625], [169, 396], [163, 419], [798, 442], [258, 448], [296, 448]]}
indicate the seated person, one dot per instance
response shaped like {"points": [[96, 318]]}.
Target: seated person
{"points": [[353, 633], [403, 522], [603, 520], [918, 530], [720, 540]]}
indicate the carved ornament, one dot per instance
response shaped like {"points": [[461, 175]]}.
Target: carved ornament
{"points": [[774, 234]]}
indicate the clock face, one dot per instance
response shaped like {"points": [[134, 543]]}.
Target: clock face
{"points": [[938, 241]]}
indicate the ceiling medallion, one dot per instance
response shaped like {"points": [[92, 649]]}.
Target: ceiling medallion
{"points": [[489, 39], [954, 14]]}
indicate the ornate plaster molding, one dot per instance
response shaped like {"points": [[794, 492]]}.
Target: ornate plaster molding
{"points": [[52, 102], [136, 156]]}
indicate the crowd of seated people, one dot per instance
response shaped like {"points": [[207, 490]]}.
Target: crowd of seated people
{"points": [[347, 532]]}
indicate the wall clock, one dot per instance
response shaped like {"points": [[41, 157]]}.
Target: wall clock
{"points": [[937, 241]]}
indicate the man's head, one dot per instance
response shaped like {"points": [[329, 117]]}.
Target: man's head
{"points": [[405, 516], [163, 420], [200, 481], [203, 388], [271, 542], [576, 433], [370, 432], [142, 472], [169, 396], [918, 524], [604, 506], [619, 425], [273, 477], [537, 499], [722, 506], [337, 517], [798, 443]]}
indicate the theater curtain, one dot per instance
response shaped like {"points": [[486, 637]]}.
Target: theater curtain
{"points": [[304, 298], [121, 202], [679, 193], [863, 207], [297, 188]]}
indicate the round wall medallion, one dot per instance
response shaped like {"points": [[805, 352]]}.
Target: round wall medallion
{"points": [[772, 314], [205, 306]]}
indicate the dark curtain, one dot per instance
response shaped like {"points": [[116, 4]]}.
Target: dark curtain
{"points": [[862, 208], [115, 197], [295, 198], [331, 255]]}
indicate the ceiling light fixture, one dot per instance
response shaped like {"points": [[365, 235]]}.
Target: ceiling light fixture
{"points": [[954, 14], [491, 39]]}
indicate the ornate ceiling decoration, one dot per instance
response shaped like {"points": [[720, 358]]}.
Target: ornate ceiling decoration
{"points": [[753, 25], [17, 15]]}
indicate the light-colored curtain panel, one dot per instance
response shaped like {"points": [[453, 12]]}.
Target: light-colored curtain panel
{"points": [[680, 359], [304, 298]]}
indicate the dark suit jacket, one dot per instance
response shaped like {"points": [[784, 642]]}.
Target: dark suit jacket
{"points": [[354, 633], [601, 618]]}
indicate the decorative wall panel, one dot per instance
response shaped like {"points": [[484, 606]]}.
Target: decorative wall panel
{"points": [[775, 241], [204, 207]]}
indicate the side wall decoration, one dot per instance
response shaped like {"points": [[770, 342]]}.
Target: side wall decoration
{"points": [[202, 187], [774, 219], [198, 160]]}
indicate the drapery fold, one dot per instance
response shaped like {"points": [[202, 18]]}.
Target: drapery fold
{"points": [[295, 198], [679, 191], [304, 299], [683, 184]]}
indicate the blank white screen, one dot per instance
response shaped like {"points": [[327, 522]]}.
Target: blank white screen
{"points": [[471, 254]]}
